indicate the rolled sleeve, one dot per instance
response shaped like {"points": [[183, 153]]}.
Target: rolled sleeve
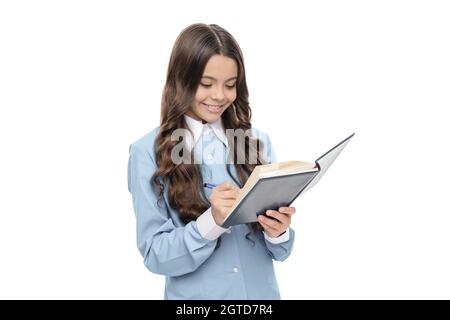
{"points": [[282, 250]]}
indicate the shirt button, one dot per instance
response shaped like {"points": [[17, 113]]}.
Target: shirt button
{"points": [[228, 231], [235, 269], [209, 156]]}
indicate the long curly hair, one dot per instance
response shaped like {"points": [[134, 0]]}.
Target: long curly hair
{"points": [[193, 48]]}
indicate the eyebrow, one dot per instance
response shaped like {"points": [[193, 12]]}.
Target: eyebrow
{"points": [[209, 77]]}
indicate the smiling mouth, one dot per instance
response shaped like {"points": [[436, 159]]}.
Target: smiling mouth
{"points": [[213, 108]]}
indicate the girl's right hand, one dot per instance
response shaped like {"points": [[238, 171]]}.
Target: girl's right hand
{"points": [[222, 199]]}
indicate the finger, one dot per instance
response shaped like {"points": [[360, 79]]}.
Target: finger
{"points": [[226, 203], [229, 194], [282, 217], [266, 227], [270, 222], [225, 186], [287, 210]]}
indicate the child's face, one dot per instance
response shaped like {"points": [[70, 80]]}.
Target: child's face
{"points": [[217, 89]]}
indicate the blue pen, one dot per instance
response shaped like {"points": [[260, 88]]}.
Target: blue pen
{"points": [[209, 185]]}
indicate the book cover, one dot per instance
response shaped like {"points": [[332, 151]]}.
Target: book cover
{"points": [[269, 190]]}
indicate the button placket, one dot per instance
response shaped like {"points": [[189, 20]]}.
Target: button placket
{"points": [[209, 147]]}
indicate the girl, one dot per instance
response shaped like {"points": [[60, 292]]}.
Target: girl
{"points": [[179, 231]]}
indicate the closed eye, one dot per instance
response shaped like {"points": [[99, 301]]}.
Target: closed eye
{"points": [[209, 85]]}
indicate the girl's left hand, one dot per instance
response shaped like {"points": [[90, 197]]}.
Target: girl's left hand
{"points": [[278, 222]]}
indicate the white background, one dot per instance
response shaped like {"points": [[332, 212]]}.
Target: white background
{"points": [[81, 80]]}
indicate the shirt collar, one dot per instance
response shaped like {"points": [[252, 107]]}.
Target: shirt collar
{"points": [[197, 128]]}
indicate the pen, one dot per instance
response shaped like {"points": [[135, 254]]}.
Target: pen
{"points": [[209, 185]]}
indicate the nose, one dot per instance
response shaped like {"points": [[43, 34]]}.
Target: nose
{"points": [[218, 94]]}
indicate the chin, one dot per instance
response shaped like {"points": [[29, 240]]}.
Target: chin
{"points": [[211, 117]]}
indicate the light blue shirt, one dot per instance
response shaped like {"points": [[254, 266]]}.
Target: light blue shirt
{"points": [[185, 253]]}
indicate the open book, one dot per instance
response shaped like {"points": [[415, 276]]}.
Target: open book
{"points": [[276, 185]]}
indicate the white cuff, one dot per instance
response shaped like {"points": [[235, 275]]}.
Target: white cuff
{"points": [[208, 227], [282, 238]]}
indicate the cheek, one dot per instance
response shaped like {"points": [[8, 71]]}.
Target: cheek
{"points": [[201, 95], [231, 95]]}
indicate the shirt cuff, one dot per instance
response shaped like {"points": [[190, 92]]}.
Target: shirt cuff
{"points": [[208, 227], [280, 239]]}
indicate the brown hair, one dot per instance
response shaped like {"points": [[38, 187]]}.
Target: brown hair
{"points": [[193, 48]]}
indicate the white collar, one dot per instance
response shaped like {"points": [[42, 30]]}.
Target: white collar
{"points": [[197, 128]]}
